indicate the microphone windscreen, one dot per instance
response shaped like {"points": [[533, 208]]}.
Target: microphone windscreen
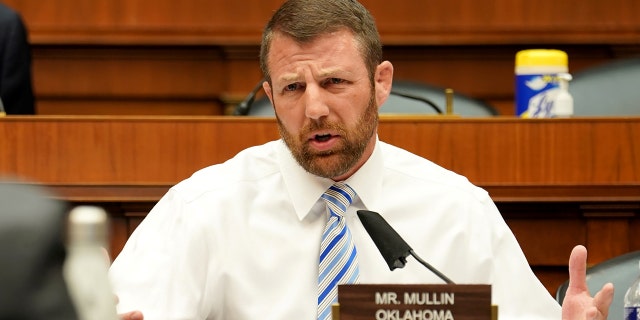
{"points": [[393, 248]]}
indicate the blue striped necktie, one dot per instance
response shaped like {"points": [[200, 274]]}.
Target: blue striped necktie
{"points": [[338, 257]]}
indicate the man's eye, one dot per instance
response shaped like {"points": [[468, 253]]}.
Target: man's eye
{"points": [[335, 81], [291, 87]]}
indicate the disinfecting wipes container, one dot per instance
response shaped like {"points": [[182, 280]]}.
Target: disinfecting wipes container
{"points": [[539, 73]]}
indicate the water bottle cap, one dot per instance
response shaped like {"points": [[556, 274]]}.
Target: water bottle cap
{"points": [[88, 224]]}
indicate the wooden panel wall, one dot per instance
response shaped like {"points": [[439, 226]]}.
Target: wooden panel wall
{"points": [[410, 22], [199, 57]]}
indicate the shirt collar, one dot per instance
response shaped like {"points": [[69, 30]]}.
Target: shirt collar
{"points": [[305, 188]]}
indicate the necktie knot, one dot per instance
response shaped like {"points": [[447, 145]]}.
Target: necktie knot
{"points": [[338, 198]]}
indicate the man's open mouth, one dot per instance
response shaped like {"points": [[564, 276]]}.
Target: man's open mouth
{"points": [[322, 137]]}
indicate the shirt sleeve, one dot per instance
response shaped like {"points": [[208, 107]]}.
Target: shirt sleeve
{"points": [[515, 288], [163, 269]]}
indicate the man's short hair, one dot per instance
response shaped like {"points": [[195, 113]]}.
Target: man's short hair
{"points": [[304, 20]]}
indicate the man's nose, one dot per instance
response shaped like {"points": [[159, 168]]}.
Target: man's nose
{"points": [[315, 102]]}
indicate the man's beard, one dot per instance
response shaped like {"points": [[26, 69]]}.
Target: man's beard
{"points": [[336, 162]]}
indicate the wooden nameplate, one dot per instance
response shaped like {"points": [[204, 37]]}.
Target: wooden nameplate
{"points": [[414, 301]]}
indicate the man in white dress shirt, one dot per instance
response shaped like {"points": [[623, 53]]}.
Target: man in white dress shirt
{"points": [[241, 239]]}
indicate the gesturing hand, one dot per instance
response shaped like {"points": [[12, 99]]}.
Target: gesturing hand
{"points": [[578, 303], [133, 315]]}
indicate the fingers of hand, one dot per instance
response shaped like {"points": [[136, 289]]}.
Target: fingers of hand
{"points": [[602, 300], [578, 269]]}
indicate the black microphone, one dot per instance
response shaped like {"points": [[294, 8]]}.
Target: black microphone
{"points": [[418, 98], [2, 112], [393, 248], [243, 108]]}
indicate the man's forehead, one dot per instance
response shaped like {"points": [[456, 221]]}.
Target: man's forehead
{"points": [[279, 39], [285, 47]]}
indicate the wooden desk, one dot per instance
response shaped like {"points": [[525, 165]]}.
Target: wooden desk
{"points": [[557, 182]]}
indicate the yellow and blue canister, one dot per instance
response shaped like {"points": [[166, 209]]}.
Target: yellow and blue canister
{"points": [[538, 76]]}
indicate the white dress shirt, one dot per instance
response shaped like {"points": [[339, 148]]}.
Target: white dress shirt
{"points": [[240, 240]]}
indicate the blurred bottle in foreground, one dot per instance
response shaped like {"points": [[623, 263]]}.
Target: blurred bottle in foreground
{"points": [[87, 264], [632, 300]]}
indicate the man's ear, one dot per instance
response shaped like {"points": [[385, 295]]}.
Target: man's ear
{"points": [[383, 80], [267, 90]]}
